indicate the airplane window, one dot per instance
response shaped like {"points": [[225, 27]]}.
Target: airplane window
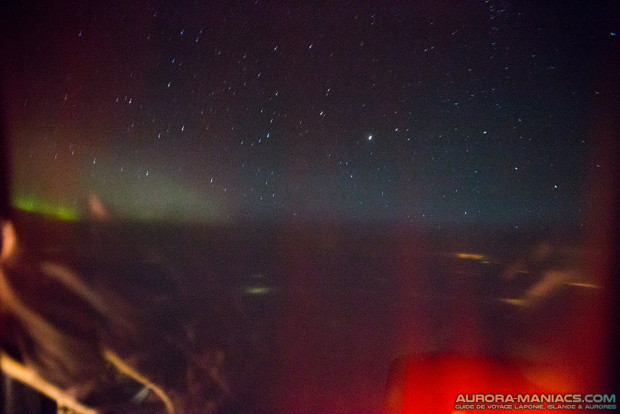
{"points": [[342, 207]]}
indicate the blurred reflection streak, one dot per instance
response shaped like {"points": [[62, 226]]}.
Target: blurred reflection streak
{"points": [[547, 269], [97, 209], [9, 242], [58, 350], [28, 376], [124, 368], [72, 281], [545, 287]]}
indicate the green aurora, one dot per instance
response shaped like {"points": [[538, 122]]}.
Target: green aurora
{"points": [[45, 207]]}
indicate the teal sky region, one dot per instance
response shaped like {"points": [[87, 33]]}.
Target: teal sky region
{"points": [[423, 113]]}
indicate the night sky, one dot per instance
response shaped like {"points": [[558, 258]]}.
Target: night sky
{"points": [[431, 113]]}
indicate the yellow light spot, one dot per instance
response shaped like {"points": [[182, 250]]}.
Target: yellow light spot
{"points": [[470, 256], [515, 302], [257, 290], [585, 285]]}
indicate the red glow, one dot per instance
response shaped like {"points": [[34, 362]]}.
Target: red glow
{"points": [[431, 384]]}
